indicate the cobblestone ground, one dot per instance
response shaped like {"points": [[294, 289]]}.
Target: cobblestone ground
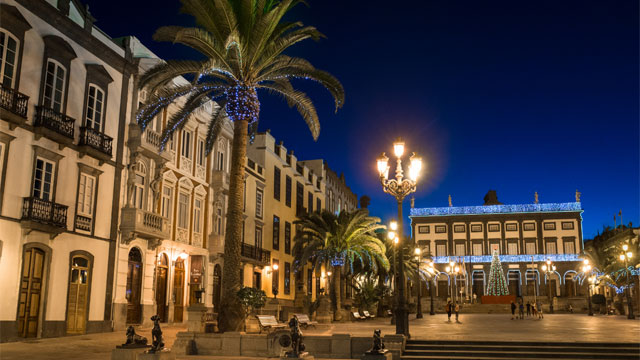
{"points": [[557, 327]]}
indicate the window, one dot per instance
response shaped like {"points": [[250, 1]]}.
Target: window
{"points": [[95, 108], [167, 201], [8, 58], [569, 247], [309, 281], [493, 227], [459, 228], [172, 143], [530, 247], [43, 180], [275, 276], [441, 250], [529, 226], [476, 228], [299, 196], [183, 210], [310, 202], [495, 247], [139, 184], [551, 247], [549, 226], [258, 239], [512, 248], [219, 221], [276, 233], [477, 249], [318, 205], [287, 278], [276, 183], [186, 144], [423, 229], [54, 85], [567, 225], [220, 161], [200, 156], [287, 237], [440, 229], [460, 250], [197, 215], [86, 190], [511, 227], [259, 194], [287, 185]]}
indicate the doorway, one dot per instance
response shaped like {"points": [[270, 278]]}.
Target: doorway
{"points": [[162, 268], [443, 289], [78, 295], [478, 284], [134, 281], [31, 285], [178, 291], [514, 283]]}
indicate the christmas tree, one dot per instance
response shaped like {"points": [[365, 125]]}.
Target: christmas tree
{"points": [[497, 282]]}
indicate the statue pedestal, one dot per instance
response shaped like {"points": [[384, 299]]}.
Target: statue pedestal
{"points": [[127, 353], [161, 355], [386, 356], [195, 318]]}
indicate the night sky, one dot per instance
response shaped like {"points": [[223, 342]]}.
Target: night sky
{"points": [[507, 95]]}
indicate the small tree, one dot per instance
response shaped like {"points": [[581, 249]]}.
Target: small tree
{"points": [[251, 299], [367, 293], [497, 282]]}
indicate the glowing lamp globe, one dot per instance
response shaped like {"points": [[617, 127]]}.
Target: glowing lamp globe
{"points": [[625, 247], [544, 267], [383, 166], [417, 251], [391, 235], [398, 147], [396, 240], [393, 225], [275, 267], [622, 257], [629, 254]]}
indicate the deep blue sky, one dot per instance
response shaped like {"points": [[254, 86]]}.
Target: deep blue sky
{"points": [[507, 95]]}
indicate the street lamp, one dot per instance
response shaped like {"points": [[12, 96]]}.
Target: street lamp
{"points": [[453, 270], [400, 187], [432, 272], [625, 256], [419, 307], [548, 269], [270, 270], [586, 268]]}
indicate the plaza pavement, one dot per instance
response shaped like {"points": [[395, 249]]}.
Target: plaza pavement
{"points": [[556, 327]]}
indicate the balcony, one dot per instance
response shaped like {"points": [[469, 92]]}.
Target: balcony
{"points": [[95, 143], [143, 224], [220, 180], [54, 125], [255, 254], [150, 145], [43, 215], [15, 105]]}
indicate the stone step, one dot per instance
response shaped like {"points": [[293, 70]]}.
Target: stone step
{"points": [[515, 355], [555, 348]]}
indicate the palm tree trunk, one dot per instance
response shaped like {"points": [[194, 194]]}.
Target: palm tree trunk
{"points": [[232, 314], [380, 312], [337, 270]]}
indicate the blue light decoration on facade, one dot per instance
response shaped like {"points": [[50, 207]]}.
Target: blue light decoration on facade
{"points": [[496, 209], [508, 258]]}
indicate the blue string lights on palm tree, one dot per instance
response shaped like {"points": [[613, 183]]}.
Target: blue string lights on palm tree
{"points": [[497, 282]]}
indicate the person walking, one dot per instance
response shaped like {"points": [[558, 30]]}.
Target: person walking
{"points": [[513, 310], [475, 298], [528, 309], [539, 309], [457, 308], [533, 310], [521, 312], [448, 307]]}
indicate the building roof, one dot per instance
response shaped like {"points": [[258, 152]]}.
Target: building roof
{"points": [[497, 209]]}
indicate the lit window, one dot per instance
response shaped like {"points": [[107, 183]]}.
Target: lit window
{"points": [[569, 247], [460, 250], [183, 210], [512, 248], [551, 247], [197, 214], [477, 249]]}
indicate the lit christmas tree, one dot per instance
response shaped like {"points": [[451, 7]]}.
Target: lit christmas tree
{"points": [[497, 282]]}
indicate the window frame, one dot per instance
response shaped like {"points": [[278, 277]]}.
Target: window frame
{"points": [[459, 228], [424, 229], [187, 137], [440, 229], [277, 173], [551, 227], [259, 203], [572, 225], [63, 88], [166, 200], [51, 193], [3, 56], [287, 237], [197, 214], [288, 190], [493, 227], [186, 212], [529, 226], [275, 241]]}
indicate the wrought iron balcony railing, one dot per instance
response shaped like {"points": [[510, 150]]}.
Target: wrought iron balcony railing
{"points": [[96, 140], [14, 101], [256, 253], [53, 120], [45, 212]]}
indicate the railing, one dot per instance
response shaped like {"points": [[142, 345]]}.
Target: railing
{"points": [[144, 224], [256, 253], [83, 223], [13, 101], [45, 212], [152, 221], [53, 120], [96, 140], [152, 138]]}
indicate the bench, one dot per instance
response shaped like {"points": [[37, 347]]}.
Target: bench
{"points": [[389, 313], [269, 322], [367, 315], [304, 320], [357, 316], [210, 322]]}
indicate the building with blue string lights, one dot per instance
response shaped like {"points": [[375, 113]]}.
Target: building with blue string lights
{"points": [[524, 235]]}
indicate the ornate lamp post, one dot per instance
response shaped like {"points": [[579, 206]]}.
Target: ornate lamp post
{"points": [[431, 269], [625, 256], [392, 236], [548, 269], [586, 268], [419, 306], [453, 270], [400, 187]]}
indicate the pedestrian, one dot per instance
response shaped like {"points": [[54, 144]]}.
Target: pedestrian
{"points": [[528, 309], [475, 298], [521, 312], [533, 310], [513, 309], [449, 310], [457, 312], [539, 308], [571, 308]]}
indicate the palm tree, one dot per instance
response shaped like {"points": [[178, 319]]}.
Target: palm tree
{"points": [[340, 242], [242, 42]]}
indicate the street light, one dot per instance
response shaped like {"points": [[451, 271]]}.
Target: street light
{"points": [[625, 257], [453, 270], [586, 268], [399, 188], [432, 271], [548, 269], [419, 307]]}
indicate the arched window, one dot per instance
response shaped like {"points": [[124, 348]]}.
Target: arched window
{"points": [[9, 46], [54, 85], [95, 107]]}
